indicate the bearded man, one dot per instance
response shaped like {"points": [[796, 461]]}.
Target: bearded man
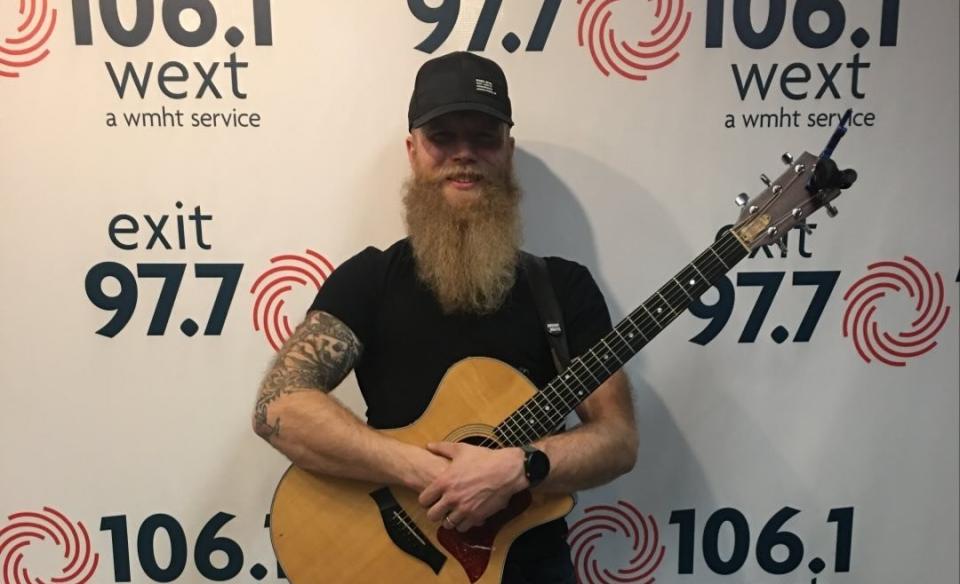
{"points": [[453, 289]]}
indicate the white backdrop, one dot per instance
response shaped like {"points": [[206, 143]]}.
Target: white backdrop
{"points": [[141, 440]]}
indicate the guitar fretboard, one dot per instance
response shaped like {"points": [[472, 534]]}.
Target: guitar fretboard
{"points": [[547, 410]]}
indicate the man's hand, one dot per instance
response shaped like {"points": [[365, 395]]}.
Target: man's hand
{"points": [[424, 468], [477, 483]]}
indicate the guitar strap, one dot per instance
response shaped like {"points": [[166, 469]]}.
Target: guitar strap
{"points": [[545, 298]]}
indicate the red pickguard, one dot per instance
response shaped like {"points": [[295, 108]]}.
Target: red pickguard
{"points": [[473, 548]]}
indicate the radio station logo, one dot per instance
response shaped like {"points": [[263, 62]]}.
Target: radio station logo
{"points": [[705, 537], [641, 532], [29, 528], [24, 44], [632, 60], [309, 269], [862, 324]]}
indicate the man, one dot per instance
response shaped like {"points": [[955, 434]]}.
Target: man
{"points": [[452, 289]]}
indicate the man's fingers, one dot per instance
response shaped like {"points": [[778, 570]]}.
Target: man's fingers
{"points": [[439, 511], [430, 495]]}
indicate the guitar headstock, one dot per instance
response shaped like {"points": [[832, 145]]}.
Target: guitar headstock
{"points": [[809, 184]]}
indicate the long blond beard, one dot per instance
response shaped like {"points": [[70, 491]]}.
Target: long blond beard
{"points": [[466, 255]]}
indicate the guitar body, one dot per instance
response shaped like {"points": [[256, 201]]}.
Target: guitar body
{"points": [[333, 530]]}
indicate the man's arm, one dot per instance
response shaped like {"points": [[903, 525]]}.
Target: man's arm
{"points": [[599, 450], [295, 414], [479, 482]]}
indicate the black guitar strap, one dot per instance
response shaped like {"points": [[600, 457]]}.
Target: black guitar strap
{"points": [[546, 300]]}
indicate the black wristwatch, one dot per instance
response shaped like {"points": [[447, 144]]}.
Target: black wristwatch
{"points": [[536, 465]]}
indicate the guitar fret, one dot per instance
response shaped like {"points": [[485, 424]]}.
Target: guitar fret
{"points": [[720, 258], [652, 317], [616, 353], [550, 410], [559, 393], [684, 291], [511, 437], [601, 361], [528, 417], [565, 389], [583, 364], [636, 329], [547, 416], [579, 391], [619, 360], [667, 302], [617, 332], [694, 266]]}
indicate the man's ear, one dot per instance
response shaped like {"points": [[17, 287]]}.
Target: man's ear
{"points": [[410, 148]]}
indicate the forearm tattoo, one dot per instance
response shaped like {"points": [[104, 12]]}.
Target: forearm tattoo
{"points": [[318, 356]]}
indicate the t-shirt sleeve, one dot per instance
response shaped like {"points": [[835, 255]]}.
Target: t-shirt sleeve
{"points": [[584, 310], [350, 293]]}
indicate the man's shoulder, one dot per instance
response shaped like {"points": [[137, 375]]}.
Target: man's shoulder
{"points": [[563, 268], [374, 257], [571, 279]]}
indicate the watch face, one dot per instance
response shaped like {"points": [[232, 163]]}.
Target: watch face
{"points": [[538, 466]]}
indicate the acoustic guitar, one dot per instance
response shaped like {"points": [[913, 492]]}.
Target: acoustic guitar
{"points": [[331, 530]]}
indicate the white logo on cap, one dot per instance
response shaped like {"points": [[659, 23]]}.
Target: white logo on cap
{"points": [[485, 86]]}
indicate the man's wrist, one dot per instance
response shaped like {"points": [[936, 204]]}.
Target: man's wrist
{"points": [[536, 465], [519, 480]]}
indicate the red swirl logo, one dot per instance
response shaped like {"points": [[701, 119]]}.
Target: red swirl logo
{"points": [[26, 46], [859, 320], [310, 268], [641, 532], [28, 527], [632, 60]]}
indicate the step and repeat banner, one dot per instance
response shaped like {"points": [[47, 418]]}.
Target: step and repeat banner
{"points": [[179, 177]]}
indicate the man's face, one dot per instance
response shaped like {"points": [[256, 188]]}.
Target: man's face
{"points": [[462, 210], [462, 150]]}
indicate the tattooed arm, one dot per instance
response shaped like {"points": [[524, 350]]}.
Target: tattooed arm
{"points": [[295, 414]]}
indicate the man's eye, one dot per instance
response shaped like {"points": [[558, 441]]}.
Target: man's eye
{"points": [[441, 137]]}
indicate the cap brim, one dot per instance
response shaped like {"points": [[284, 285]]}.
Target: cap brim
{"points": [[460, 107]]}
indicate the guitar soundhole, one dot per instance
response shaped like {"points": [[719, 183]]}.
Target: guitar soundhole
{"points": [[479, 441], [475, 435]]}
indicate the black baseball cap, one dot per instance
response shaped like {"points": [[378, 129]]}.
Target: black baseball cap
{"points": [[457, 82]]}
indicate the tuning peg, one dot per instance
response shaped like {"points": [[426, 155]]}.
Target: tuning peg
{"points": [[805, 228], [783, 246], [742, 199], [787, 158], [831, 210], [765, 179]]}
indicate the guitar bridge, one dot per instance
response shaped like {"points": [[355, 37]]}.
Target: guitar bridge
{"points": [[404, 532]]}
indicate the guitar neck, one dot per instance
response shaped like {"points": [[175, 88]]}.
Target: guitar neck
{"points": [[546, 411]]}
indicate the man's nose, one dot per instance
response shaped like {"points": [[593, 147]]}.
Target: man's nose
{"points": [[464, 151]]}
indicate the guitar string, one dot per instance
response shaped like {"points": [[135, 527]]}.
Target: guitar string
{"points": [[711, 261], [645, 325]]}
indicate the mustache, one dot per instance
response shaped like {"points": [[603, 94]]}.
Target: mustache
{"points": [[457, 173]]}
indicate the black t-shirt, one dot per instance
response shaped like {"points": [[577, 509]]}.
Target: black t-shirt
{"points": [[408, 343]]}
